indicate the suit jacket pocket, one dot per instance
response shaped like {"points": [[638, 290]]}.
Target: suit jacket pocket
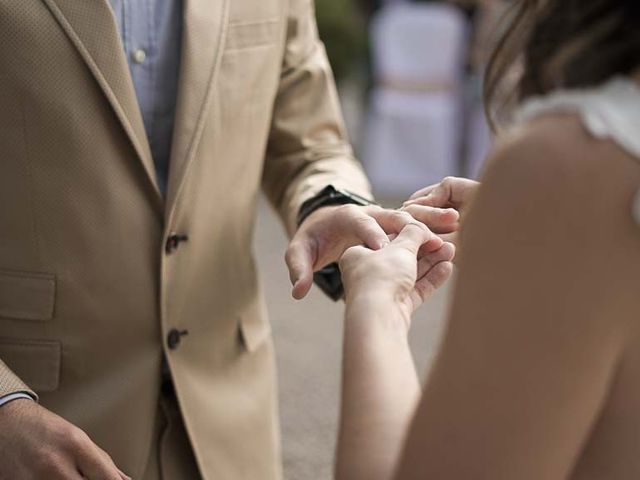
{"points": [[35, 362], [27, 296], [243, 35]]}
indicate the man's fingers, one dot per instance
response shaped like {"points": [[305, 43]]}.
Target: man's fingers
{"points": [[392, 221], [368, 231], [106, 456], [123, 476], [439, 220], [93, 465], [54, 465]]}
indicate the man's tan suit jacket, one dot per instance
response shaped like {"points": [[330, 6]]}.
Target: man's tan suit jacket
{"points": [[89, 292]]}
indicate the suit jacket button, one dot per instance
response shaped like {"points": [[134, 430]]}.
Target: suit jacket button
{"points": [[174, 338], [173, 242]]}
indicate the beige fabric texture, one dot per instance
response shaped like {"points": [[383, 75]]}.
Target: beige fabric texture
{"points": [[94, 294], [171, 456]]}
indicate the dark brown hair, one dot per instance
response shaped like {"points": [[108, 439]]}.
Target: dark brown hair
{"points": [[552, 44]]}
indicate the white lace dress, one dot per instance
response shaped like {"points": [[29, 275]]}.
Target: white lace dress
{"points": [[611, 111]]}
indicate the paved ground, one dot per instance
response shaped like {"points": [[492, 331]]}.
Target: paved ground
{"points": [[308, 337]]}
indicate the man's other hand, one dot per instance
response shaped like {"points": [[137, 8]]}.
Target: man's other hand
{"points": [[36, 444]]}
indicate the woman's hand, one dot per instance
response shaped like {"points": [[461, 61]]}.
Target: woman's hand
{"points": [[451, 193], [380, 385], [405, 273]]}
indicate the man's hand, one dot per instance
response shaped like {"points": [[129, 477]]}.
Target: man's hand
{"points": [[36, 444], [401, 272], [328, 232]]}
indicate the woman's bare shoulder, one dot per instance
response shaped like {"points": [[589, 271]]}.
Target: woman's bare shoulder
{"points": [[544, 303], [558, 151], [554, 162], [573, 193]]}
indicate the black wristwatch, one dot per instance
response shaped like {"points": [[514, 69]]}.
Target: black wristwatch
{"points": [[329, 279]]}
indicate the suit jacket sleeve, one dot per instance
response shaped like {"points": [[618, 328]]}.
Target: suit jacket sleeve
{"points": [[308, 147], [10, 383]]}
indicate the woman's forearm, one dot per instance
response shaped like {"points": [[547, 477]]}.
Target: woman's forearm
{"points": [[380, 389]]}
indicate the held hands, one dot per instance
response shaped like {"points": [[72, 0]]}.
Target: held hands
{"points": [[36, 444], [325, 235], [328, 232], [405, 273]]}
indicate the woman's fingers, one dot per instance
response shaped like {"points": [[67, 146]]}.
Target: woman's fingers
{"points": [[437, 195], [423, 191], [451, 192], [439, 220], [416, 236], [428, 260], [434, 269], [431, 281]]}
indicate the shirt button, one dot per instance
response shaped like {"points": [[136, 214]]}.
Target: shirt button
{"points": [[139, 56], [174, 337]]}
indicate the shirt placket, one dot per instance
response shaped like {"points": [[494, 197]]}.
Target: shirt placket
{"points": [[139, 34]]}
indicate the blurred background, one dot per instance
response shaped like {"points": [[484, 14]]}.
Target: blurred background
{"points": [[409, 75]]}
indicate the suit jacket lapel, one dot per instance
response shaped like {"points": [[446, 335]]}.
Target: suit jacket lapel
{"points": [[204, 33], [91, 27]]}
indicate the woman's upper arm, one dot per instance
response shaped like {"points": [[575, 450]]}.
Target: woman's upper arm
{"points": [[525, 365]]}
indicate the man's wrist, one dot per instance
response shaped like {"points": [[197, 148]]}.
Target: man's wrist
{"points": [[329, 279], [323, 209], [330, 196]]}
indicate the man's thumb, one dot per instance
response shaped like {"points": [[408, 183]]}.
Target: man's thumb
{"points": [[300, 259]]}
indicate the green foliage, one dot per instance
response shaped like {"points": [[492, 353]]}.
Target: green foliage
{"points": [[343, 32]]}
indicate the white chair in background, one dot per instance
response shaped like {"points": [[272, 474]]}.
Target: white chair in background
{"points": [[414, 126]]}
